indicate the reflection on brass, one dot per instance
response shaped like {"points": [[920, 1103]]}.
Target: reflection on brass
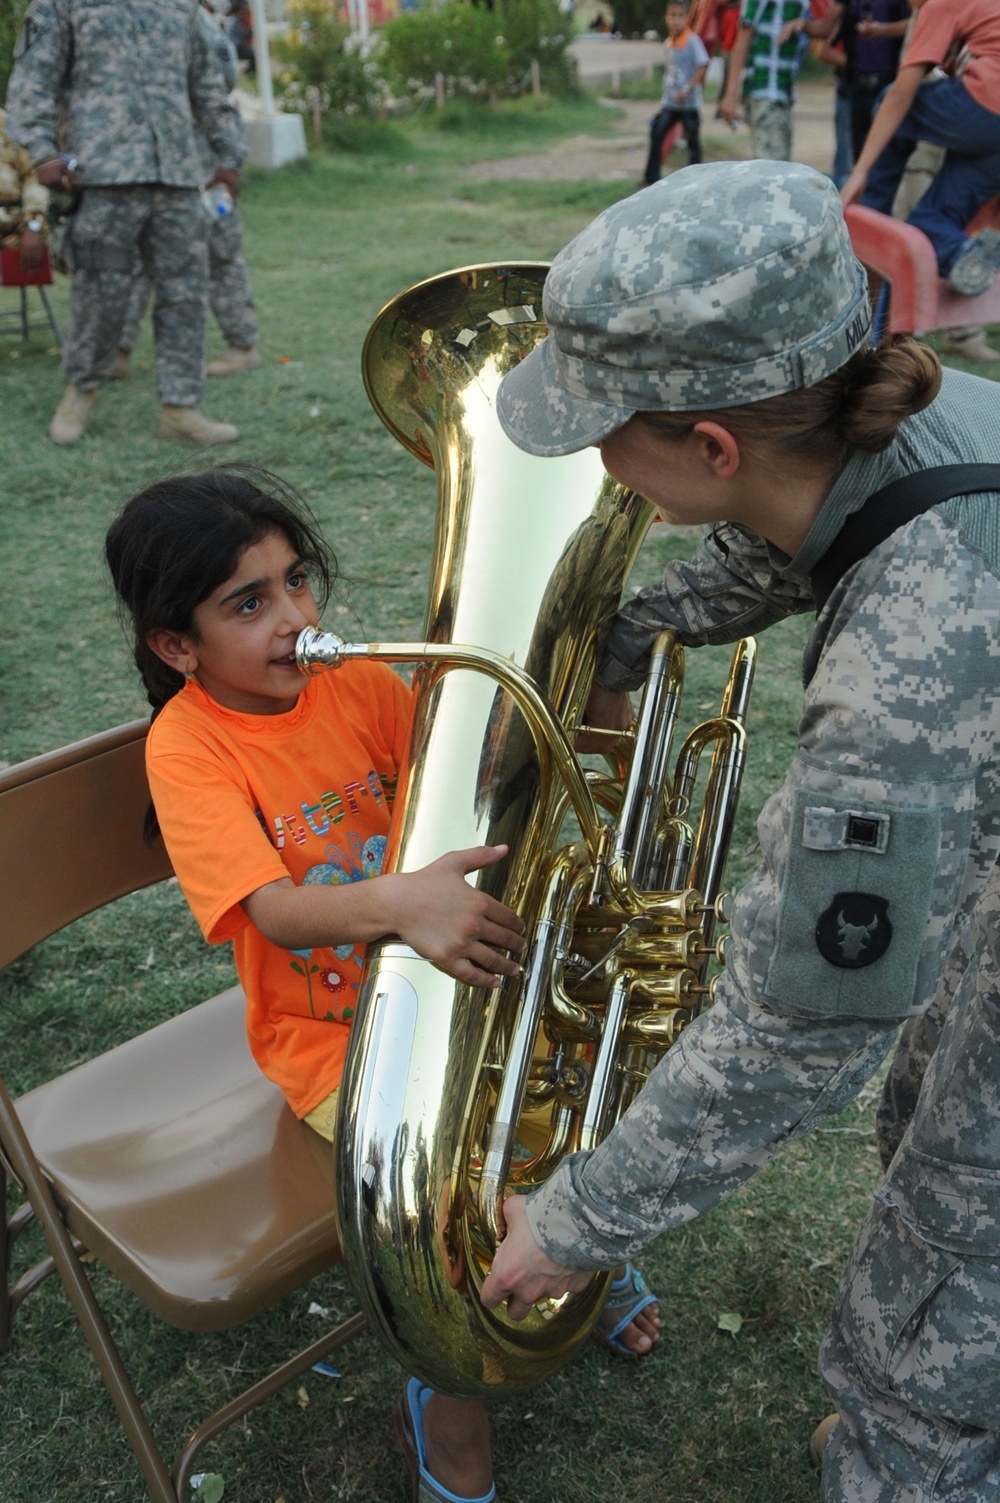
{"points": [[454, 1097]]}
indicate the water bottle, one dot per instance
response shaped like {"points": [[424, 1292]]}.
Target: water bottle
{"points": [[217, 200]]}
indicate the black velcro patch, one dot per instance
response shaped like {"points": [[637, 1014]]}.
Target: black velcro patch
{"points": [[855, 930]]}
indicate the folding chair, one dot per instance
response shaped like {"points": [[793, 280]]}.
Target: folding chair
{"points": [[170, 1158], [13, 274], [919, 298]]}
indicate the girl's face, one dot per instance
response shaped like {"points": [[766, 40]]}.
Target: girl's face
{"points": [[242, 646]]}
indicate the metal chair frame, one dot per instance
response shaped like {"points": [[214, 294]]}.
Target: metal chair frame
{"points": [[93, 794]]}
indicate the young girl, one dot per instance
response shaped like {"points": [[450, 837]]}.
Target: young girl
{"points": [[273, 792]]}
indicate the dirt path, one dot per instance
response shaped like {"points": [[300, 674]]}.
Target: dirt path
{"points": [[621, 155]]}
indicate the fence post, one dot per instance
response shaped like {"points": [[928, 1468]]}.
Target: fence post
{"points": [[439, 90], [536, 77]]}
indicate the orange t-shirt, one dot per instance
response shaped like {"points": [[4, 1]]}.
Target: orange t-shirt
{"points": [[947, 31], [244, 800]]}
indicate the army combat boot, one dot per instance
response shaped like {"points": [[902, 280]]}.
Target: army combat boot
{"points": [[189, 423], [70, 418], [234, 361]]}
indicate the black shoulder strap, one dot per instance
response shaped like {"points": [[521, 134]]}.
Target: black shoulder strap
{"points": [[889, 508]]}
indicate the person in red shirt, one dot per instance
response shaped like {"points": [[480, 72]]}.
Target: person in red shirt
{"points": [[956, 110]]}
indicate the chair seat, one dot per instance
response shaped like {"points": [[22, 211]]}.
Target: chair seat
{"points": [[13, 274], [183, 1169]]}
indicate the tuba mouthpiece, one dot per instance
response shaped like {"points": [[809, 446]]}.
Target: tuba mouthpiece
{"points": [[316, 650]]}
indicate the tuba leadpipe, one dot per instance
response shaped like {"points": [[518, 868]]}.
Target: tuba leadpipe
{"points": [[453, 1096]]}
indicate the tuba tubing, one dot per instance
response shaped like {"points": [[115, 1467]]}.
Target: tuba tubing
{"points": [[452, 1096]]}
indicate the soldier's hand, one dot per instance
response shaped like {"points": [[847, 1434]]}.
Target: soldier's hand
{"points": [[606, 710], [31, 249], [55, 172], [229, 179]]}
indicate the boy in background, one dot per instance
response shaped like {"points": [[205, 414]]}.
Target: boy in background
{"points": [[685, 63], [771, 56]]}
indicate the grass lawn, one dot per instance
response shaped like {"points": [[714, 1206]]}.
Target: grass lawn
{"points": [[712, 1417]]}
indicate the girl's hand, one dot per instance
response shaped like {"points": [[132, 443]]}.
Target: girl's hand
{"points": [[459, 928], [606, 709]]}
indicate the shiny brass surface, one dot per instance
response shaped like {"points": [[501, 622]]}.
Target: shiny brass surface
{"points": [[454, 1097]]}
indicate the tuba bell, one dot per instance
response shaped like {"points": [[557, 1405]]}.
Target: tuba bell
{"points": [[454, 1097]]}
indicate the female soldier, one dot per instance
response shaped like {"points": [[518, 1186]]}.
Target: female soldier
{"points": [[710, 335]]}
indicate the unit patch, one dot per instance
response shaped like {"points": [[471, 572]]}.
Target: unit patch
{"points": [[855, 930]]}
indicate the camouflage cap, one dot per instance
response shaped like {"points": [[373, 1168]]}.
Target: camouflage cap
{"points": [[722, 284]]}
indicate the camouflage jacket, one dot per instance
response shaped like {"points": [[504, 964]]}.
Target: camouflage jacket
{"points": [[135, 77], [875, 853], [22, 196]]}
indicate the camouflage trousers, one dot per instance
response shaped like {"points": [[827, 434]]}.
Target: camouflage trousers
{"points": [[229, 293], [770, 123], [912, 1358], [166, 227]]}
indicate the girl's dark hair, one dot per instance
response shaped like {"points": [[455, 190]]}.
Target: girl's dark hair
{"points": [[859, 406], [177, 541]]}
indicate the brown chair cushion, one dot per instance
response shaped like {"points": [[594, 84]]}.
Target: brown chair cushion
{"points": [[179, 1166]]}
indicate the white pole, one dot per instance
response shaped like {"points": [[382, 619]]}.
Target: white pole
{"points": [[262, 56], [365, 41]]}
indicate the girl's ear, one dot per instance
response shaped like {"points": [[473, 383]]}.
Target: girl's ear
{"points": [[719, 449], [175, 648]]}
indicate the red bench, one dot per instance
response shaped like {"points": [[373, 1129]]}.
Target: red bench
{"points": [[902, 255]]}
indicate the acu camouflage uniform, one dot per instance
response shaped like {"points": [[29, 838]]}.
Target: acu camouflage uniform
{"points": [[877, 894], [133, 77], [229, 293], [22, 196]]}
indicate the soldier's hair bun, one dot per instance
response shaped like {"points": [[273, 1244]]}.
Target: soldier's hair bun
{"points": [[891, 383]]}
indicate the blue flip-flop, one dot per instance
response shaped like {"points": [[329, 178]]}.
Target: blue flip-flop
{"points": [[408, 1423], [630, 1295]]}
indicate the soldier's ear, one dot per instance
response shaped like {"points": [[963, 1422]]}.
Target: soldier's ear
{"points": [[719, 449]]}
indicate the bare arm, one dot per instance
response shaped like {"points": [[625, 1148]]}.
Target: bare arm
{"points": [[729, 103], [462, 930], [890, 114], [822, 28]]}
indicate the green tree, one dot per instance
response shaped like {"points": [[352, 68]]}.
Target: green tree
{"points": [[11, 16]]}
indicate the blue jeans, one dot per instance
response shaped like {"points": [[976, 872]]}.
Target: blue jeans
{"points": [[843, 159], [946, 114]]}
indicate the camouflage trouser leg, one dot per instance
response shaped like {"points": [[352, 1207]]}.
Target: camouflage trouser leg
{"points": [[174, 246], [770, 123], [917, 1042], [229, 289], [102, 248], [137, 303], [911, 1364]]}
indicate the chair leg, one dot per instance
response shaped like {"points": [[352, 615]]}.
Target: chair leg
{"points": [[50, 315], [24, 314], [244, 1402], [84, 1302]]}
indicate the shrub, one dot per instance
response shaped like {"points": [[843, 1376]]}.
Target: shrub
{"points": [[478, 51], [319, 71], [11, 16]]}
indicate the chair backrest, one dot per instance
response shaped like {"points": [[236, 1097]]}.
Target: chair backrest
{"points": [[71, 835]]}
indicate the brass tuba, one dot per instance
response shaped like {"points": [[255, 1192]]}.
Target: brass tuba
{"points": [[452, 1096]]}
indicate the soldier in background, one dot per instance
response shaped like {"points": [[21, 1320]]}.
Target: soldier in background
{"points": [[23, 202], [229, 293], [133, 77], [878, 889]]}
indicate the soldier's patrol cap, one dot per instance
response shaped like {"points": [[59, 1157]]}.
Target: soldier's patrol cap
{"points": [[724, 283]]}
